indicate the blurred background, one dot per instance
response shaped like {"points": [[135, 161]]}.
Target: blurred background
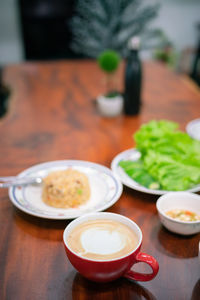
{"points": [[45, 29]]}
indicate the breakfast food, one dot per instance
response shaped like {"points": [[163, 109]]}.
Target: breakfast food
{"points": [[102, 239], [66, 188], [183, 215]]}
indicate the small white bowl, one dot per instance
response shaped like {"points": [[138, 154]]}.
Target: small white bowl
{"points": [[179, 200]]}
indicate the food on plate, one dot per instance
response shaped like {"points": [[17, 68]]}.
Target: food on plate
{"points": [[183, 215], [66, 188], [136, 171], [170, 158]]}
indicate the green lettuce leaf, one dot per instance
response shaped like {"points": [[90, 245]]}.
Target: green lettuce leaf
{"points": [[136, 170], [170, 157]]}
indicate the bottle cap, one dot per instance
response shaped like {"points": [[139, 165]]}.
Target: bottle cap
{"points": [[134, 43]]}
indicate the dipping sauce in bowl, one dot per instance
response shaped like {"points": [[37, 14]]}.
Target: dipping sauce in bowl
{"points": [[183, 215], [179, 212]]}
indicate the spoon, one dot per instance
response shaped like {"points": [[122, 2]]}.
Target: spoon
{"points": [[8, 181]]}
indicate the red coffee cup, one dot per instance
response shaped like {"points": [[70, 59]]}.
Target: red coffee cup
{"points": [[108, 270]]}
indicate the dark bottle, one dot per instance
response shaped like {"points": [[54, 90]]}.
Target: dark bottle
{"points": [[133, 79]]}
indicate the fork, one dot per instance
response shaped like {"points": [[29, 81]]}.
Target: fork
{"points": [[8, 181]]}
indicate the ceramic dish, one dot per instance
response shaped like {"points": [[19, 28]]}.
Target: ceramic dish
{"points": [[133, 154], [180, 200], [193, 129], [105, 190]]}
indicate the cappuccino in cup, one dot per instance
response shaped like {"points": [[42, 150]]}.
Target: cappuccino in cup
{"points": [[102, 239], [104, 246]]}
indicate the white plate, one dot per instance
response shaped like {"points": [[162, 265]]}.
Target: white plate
{"points": [[133, 154], [193, 129], [105, 190]]}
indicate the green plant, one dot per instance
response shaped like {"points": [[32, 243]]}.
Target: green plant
{"points": [[166, 55], [165, 52], [109, 61], [109, 24]]}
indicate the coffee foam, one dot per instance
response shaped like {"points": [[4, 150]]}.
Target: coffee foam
{"points": [[102, 241]]}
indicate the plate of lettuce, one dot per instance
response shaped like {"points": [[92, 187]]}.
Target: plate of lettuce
{"points": [[164, 159]]}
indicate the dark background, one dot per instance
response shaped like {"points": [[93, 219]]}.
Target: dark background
{"points": [[45, 28]]}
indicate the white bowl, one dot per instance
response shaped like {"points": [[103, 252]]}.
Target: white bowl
{"points": [[180, 200]]}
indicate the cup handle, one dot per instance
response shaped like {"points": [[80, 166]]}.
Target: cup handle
{"points": [[148, 259]]}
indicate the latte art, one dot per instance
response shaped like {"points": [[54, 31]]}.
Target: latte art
{"points": [[102, 239]]}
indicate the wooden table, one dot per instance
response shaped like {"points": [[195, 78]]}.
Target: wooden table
{"points": [[52, 116]]}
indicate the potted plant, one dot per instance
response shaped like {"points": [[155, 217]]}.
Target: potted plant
{"points": [[110, 104]]}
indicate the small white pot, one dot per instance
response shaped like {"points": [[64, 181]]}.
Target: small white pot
{"points": [[110, 107]]}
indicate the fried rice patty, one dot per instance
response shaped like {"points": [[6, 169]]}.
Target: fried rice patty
{"points": [[66, 188]]}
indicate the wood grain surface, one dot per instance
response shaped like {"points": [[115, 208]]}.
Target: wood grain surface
{"points": [[53, 116]]}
